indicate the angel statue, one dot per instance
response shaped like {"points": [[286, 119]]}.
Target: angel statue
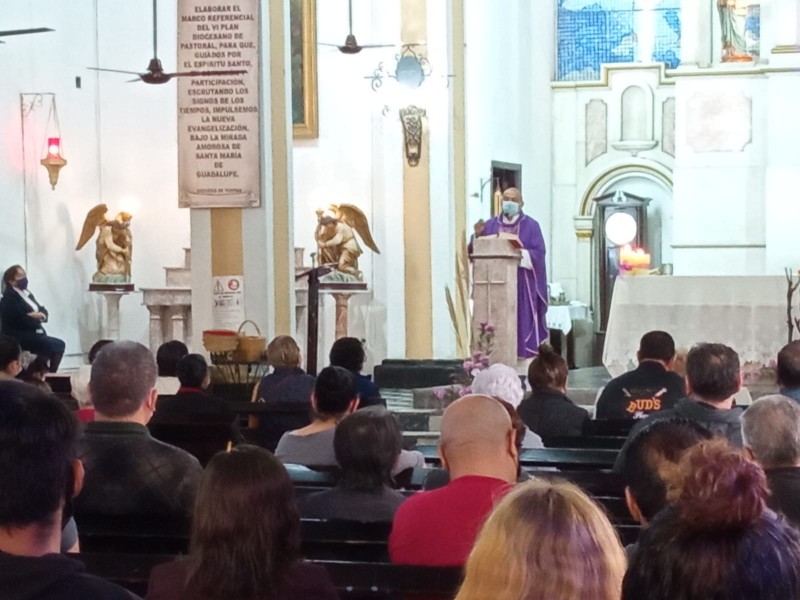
{"points": [[114, 244], [336, 239]]}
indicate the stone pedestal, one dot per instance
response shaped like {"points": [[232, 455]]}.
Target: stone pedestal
{"points": [[494, 290], [112, 294], [170, 314]]}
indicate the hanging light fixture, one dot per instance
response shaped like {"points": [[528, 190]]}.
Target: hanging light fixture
{"points": [[54, 160]]}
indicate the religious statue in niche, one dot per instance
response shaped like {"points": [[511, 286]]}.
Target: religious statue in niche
{"points": [[114, 244], [336, 239], [739, 29]]}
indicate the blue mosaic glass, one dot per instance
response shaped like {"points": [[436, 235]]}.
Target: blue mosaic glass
{"points": [[593, 32]]}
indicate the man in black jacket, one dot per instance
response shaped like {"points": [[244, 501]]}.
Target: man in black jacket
{"points": [[651, 387], [713, 377], [39, 475]]}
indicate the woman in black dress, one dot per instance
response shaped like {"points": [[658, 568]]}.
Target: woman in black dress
{"points": [[21, 317]]}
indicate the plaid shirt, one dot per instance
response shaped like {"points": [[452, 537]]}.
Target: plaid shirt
{"points": [[128, 472]]}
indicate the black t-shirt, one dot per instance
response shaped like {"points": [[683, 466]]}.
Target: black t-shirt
{"points": [[633, 395]]}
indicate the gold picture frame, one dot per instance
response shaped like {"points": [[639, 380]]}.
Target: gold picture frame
{"points": [[303, 51]]}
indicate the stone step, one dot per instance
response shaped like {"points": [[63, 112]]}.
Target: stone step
{"points": [[414, 419], [187, 258], [178, 277], [416, 438]]}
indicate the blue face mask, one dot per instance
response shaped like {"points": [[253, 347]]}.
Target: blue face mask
{"points": [[22, 284], [510, 208]]}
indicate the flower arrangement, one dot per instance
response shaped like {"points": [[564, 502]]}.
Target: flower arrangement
{"points": [[478, 361]]}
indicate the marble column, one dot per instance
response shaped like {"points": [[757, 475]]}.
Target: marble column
{"points": [[342, 301], [156, 327], [780, 21], [111, 329]]}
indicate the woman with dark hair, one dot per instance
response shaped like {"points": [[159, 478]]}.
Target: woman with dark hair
{"points": [[367, 444], [717, 539], [348, 353], [245, 542], [335, 396], [548, 411], [21, 317]]}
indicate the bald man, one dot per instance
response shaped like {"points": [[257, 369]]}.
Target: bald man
{"points": [[478, 447], [532, 273]]}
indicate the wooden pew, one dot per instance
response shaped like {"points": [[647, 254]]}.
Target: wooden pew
{"points": [[560, 458], [608, 427], [586, 442], [353, 580]]}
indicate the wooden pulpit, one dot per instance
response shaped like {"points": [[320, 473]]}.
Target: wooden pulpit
{"points": [[494, 291]]}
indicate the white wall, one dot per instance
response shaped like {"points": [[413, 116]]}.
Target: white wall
{"points": [[119, 139]]}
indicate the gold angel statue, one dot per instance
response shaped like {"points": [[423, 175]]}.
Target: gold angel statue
{"points": [[114, 244], [336, 239]]}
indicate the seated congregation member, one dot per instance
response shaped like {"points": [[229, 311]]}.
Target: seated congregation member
{"points": [[502, 382], [712, 379], [789, 370], [10, 357], [548, 411], [21, 317], [288, 384], [437, 478], [245, 540], [716, 539], [79, 383], [335, 396], [367, 445], [35, 374], [348, 353], [39, 475], [127, 471], [650, 387], [658, 445], [545, 541], [192, 403], [167, 357], [478, 448], [771, 432]]}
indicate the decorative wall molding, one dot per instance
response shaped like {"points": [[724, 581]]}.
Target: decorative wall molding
{"points": [[596, 128], [668, 127], [719, 120]]}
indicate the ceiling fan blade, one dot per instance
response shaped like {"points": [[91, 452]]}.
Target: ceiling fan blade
{"points": [[115, 71], [24, 31], [205, 73], [134, 80], [378, 45], [326, 44]]}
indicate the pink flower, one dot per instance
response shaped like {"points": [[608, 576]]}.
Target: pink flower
{"points": [[489, 328], [465, 391], [468, 365], [440, 393]]}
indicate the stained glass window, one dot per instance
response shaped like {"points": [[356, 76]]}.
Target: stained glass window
{"points": [[593, 32]]}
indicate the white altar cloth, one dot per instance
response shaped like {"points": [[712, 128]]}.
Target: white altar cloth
{"points": [[746, 313], [561, 316]]}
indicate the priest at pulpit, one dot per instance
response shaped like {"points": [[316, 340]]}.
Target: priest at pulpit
{"points": [[531, 275]]}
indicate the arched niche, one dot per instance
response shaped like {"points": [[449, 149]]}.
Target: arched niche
{"points": [[636, 119]]}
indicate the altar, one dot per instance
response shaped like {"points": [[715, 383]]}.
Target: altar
{"points": [[746, 313]]}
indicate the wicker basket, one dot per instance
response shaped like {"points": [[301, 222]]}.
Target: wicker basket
{"points": [[217, 341], [251, 347]]}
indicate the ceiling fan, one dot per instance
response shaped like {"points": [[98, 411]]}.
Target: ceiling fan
{"points": [[155, 72], [11, 32], [351, 46]]}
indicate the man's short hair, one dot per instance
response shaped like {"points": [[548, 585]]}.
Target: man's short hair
{"points": [[367, 444], [38, 442], [334, 390], [713, 371], [789, 365], [657, 345], [96, 347], [123, 374], [9, 351], [771, 429], [192, 370], [167, 357], [662, 441], [348, 352]]}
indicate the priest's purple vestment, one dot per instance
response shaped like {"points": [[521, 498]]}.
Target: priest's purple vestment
{"points": [[531, 282]]}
